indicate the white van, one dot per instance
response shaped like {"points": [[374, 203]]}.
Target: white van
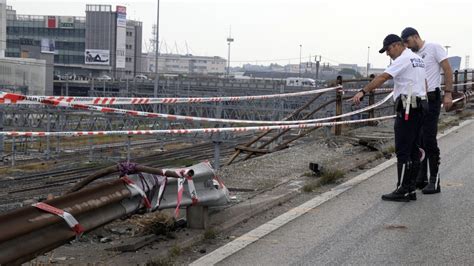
{"points": [[300, 82]]}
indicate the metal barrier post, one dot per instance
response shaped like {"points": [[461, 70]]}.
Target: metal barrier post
{"points": [[337, 128], [217, 139], [13, 151], [472, 80], [128, 147], [1, 137], [48, 138], [371, 102], [456, 81], [91, 148], [26, 146], [126, 95], [465, 81]]}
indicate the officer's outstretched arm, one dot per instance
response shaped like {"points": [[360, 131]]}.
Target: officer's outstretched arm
{"points": [[375, 83]]}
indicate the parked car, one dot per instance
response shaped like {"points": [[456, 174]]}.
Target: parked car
{"points": [[141, 76], [104, 77]]}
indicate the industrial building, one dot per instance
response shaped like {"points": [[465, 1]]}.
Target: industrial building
{"points": [[102, 42]]}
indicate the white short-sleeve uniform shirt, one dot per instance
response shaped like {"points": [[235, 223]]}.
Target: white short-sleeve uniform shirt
{"points": [[433, 54], [408, 73]]}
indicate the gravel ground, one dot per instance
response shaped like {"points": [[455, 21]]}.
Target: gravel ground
{"points": [[257, 174]]}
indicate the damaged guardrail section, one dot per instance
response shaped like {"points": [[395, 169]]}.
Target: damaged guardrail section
{"points": [[33, 230]]}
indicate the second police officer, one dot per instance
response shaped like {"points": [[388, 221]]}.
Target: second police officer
{"points": [[408, 73]]}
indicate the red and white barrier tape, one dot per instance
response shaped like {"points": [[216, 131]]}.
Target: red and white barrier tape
{"points": [[70, 220], [4, 98], [192, 190], [182, 117], [459, 84], [378, 89], [180, 195], [136, 189], [163, 184], [184, 131]]}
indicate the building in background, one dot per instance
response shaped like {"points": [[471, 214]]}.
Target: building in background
{"points": [[184, 64], [103, 34], [24, 75], [455, 62], [3, 27]]}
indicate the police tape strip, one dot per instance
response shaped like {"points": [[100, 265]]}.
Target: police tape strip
{"points": [[183, 131], [19, 97], [466, 95], [70, 220], [163, 184], [134, 188], [459, 84], [378, 89], [180, 196], [5, 98], [192, 190]]}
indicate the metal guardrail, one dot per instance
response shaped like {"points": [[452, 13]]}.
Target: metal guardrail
{"points": [[28, 232]]}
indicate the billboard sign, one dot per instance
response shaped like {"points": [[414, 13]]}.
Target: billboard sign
{"points": [[48, 46], [97, 57], [66, 22], [121, 36], [51, 22]]}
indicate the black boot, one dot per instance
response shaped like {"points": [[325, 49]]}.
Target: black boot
{"points": [[422, 177], [402, 193], [412, 181], [433, 184]]}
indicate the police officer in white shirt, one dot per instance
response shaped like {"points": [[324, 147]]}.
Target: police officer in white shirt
{"points": [[436, 59], [408, 72]]}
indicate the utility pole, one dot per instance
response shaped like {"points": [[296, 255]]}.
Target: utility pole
{"points": [[229, 40], [368, 64], [155, 89]]}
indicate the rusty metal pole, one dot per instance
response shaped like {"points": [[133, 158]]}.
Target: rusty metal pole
{"points": [[1, 129], [472, 80], [456, 81], [371, 102], [13, 151], [128, 148], [465, 81], [48, 138], [28, 232], [337, 128], [91, 148]]}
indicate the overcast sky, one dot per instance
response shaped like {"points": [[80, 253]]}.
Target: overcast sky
{"points": [[271, 31]]}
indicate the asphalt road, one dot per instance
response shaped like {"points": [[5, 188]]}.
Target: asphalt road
{"points": [[357, 227]]}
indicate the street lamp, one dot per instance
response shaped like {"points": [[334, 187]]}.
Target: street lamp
{"points": [[299, 69], [447, 48], [229, 40], [368, 64], [155, 89]]}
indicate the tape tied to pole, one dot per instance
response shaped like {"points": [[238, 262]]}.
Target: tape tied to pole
{"points": [[69, 218], [133, 187]]}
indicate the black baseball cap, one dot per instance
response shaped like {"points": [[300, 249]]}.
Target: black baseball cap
{"points": [[391, 38], [407, 32]]}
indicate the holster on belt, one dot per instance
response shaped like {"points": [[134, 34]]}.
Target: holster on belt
{"points": [[416, 102]]}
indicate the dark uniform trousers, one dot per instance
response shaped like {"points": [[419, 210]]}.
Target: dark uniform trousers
{"points": [[407, 137], [428, 136]]}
